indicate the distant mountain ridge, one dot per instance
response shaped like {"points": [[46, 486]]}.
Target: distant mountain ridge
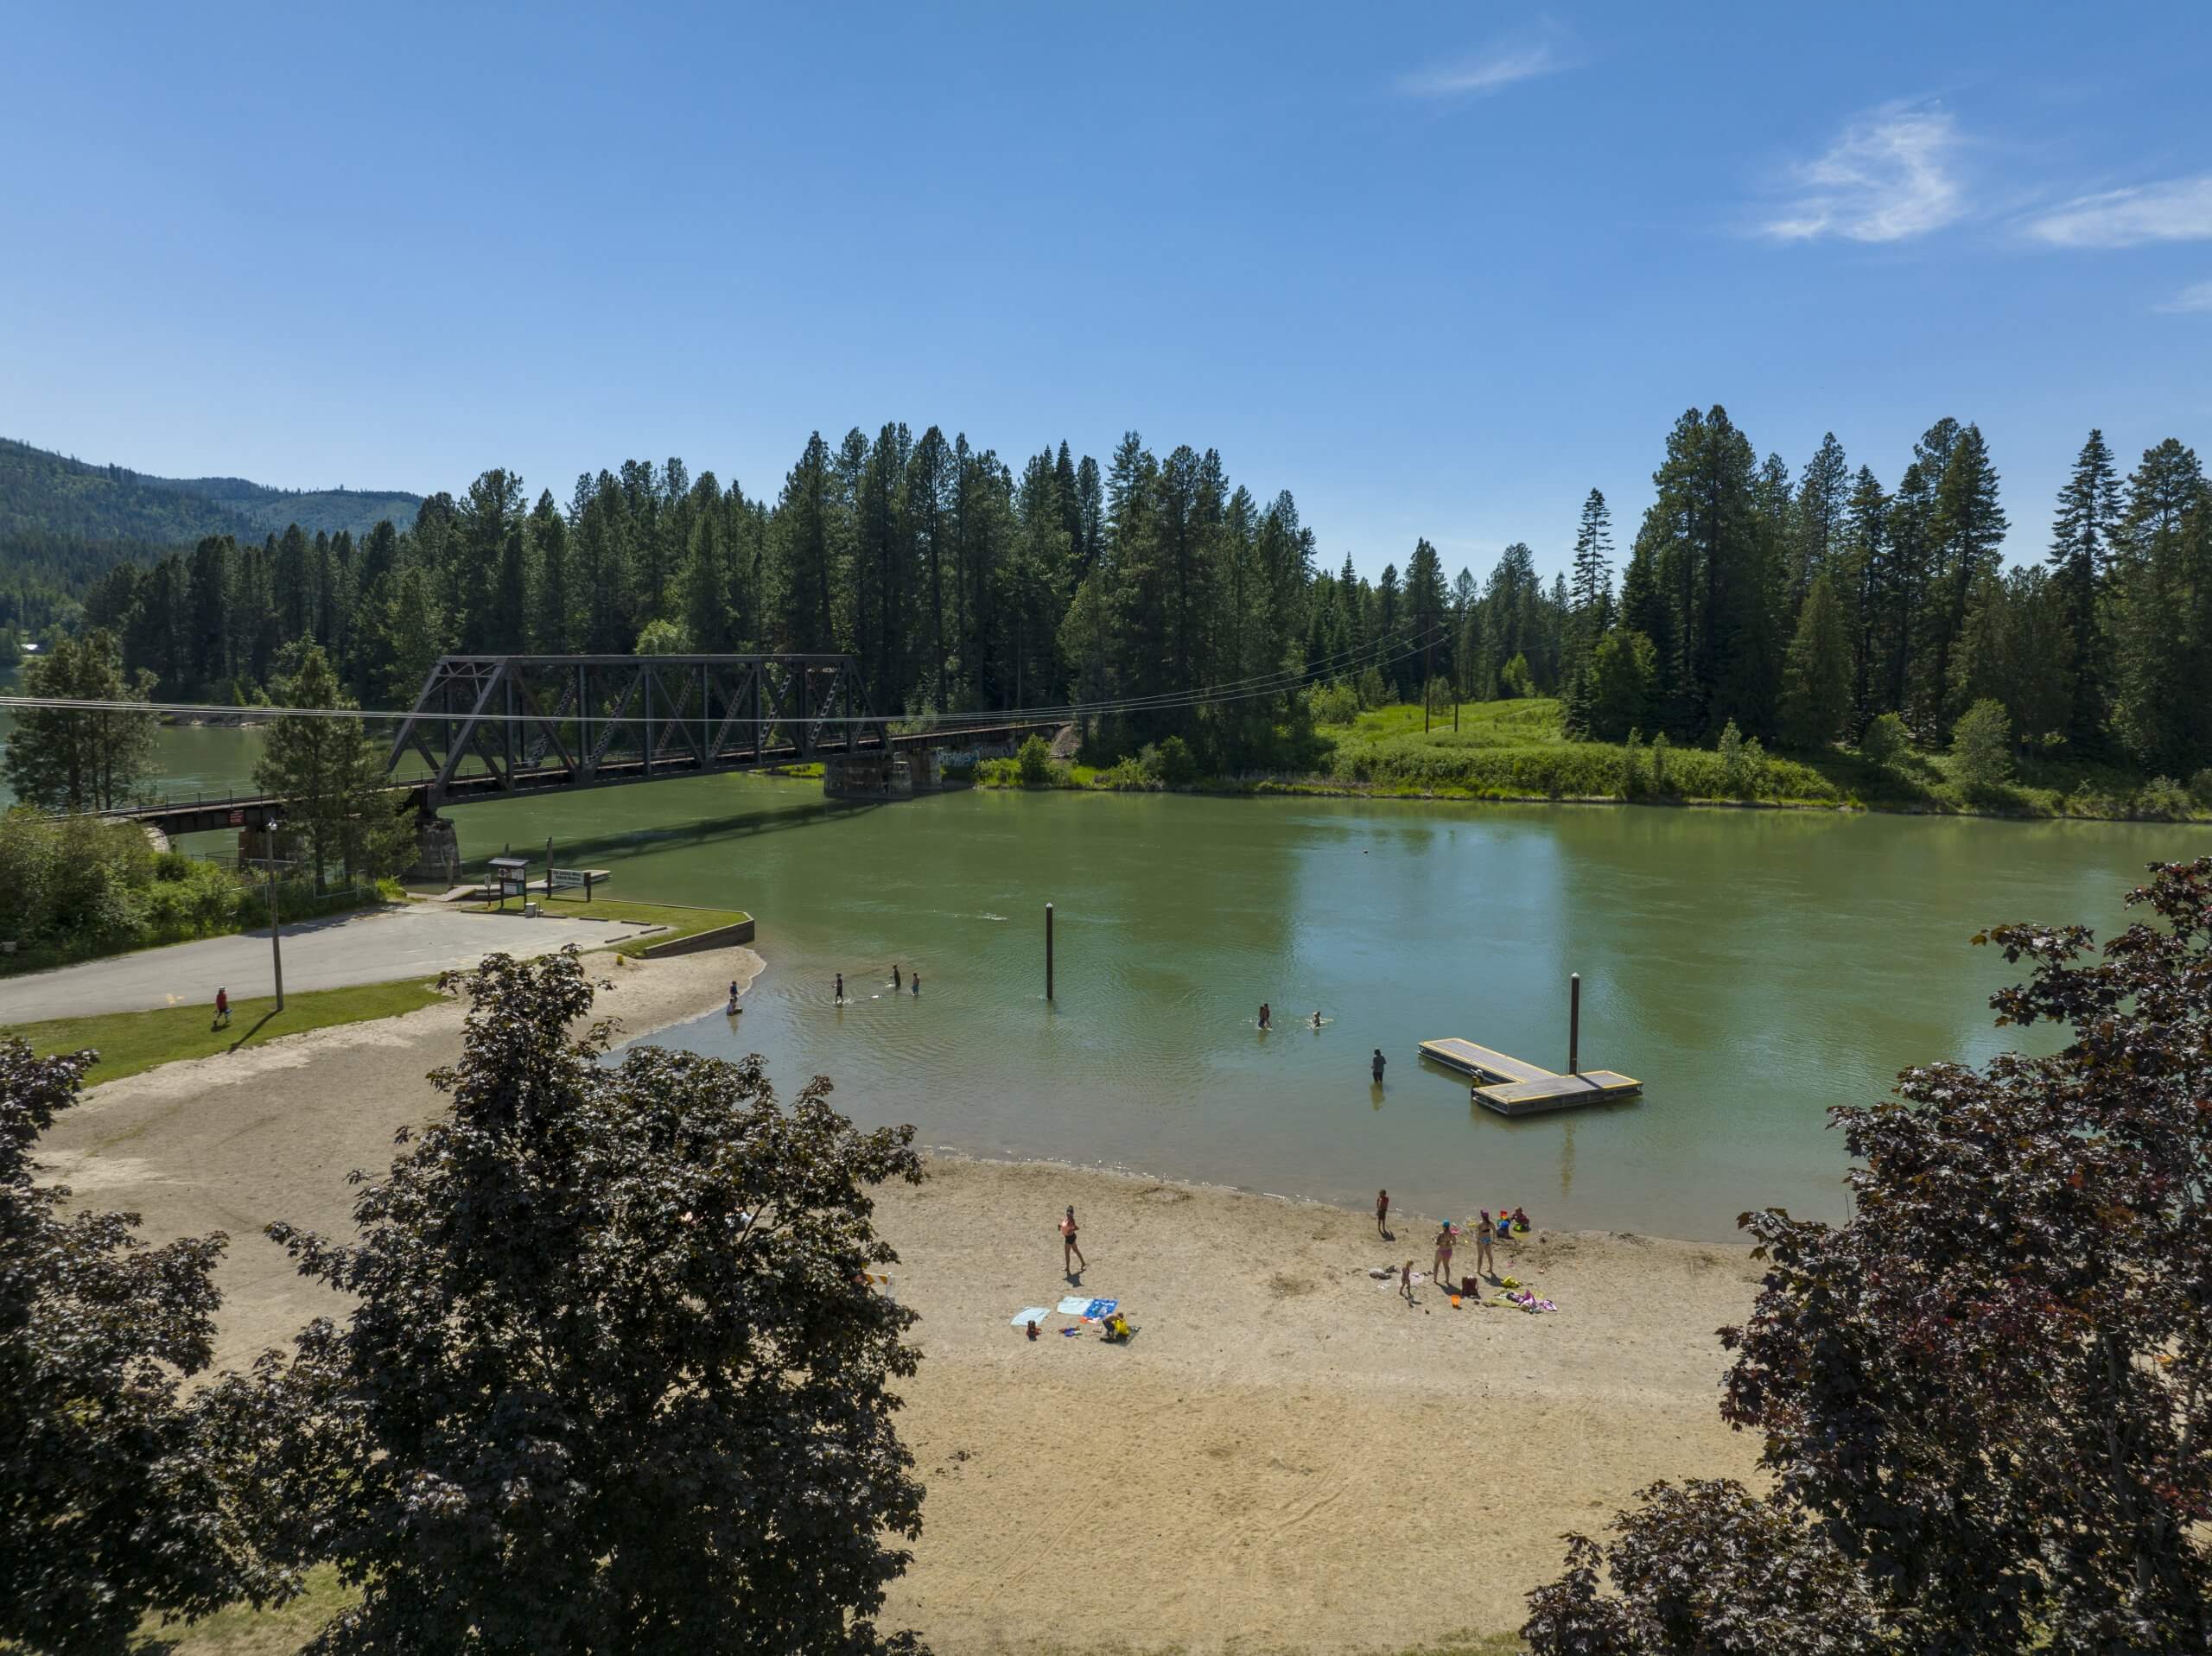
{"points": [[45, 494]]}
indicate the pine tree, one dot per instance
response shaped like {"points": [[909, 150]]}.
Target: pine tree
{"points": [[1821, 510], [1864, 588], [69, 759], [1966, 531], [2161, 583], [330, 775], [553, 607], [1816, 687], [2080, 555]]}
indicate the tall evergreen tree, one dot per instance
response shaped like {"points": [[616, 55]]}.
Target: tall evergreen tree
{"points": [[1822, 503], [2081, 556]]}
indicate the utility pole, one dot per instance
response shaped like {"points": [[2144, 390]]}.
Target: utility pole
{"points": [[275, 944]]}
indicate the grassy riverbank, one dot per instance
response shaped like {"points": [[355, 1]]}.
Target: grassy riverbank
{"points": [[128, 1042], [1515, 750]]}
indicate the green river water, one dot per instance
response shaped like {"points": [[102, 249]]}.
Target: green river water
{"points": [[1751, 967]]}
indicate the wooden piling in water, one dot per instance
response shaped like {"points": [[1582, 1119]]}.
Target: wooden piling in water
{"points": [[1048, 951], [1574, 1022]]}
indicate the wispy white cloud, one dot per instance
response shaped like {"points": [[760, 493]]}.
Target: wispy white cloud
{"points": [[1489, 71], [1890, 176], [2176, 210], [2195, 296]]}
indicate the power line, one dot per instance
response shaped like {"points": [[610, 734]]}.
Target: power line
{"points": [[1374, 655]]}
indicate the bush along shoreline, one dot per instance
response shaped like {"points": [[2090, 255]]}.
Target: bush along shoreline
{"points": [[81, 889], [1514, 752]]}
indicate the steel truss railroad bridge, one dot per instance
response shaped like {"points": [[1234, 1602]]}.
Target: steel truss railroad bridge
{"points": [[496, 726]]}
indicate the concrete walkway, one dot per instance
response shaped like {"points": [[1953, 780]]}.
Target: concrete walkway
{"points": [[420, 940]]}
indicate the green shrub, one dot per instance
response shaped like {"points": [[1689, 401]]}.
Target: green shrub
{"points": [[1373, 693], [1662, 780], [1034, 763], [1982, 745], [1177, 768], [2162, 800], [2200, 789], [1885, 741], [1334, 703]]}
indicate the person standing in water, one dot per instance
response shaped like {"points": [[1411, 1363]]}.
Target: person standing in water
{"points": [[895, 984], [1317, 1017], [1379, 1061], [914, 986], [840, 989], [1263, 1015]]}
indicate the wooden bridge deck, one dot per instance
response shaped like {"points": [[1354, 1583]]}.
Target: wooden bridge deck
{"points": [[1513, 1086]]}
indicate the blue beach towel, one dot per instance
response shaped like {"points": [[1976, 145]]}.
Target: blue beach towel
{"points": [[1099, 1308]]}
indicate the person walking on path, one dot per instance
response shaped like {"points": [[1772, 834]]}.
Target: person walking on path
{"points": [[1442, 1268], [1485, 1260], [1379, 1061], [1406, 1282], [1069, 1248], [1382, 1214], [222, 1010]]}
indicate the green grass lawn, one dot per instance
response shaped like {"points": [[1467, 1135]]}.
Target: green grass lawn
{"points": [[128, 1042], [243, 1631]]}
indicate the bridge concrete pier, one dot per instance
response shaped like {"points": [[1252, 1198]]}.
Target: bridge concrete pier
{"points": [[437, 852], [882, 776]]}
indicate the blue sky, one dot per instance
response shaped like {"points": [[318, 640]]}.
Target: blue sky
{"points": [[1437, 269]]}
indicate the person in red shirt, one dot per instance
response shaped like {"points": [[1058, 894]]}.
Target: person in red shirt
{"points": [[222, 1010]]}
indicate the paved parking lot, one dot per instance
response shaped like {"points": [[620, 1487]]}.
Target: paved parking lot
{"points": [[420, 939]]}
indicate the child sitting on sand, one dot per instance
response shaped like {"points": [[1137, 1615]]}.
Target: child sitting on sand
{"points": [[1520, 1221]]}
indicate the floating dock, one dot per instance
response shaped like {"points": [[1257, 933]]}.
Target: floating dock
{"points": [[1514, 1086]]}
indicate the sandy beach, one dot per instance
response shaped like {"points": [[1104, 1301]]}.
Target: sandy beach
{"points": [[1286, 1457]]}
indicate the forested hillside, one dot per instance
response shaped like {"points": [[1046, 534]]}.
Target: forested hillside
{"points": [[1801, 605], [64, 524]]}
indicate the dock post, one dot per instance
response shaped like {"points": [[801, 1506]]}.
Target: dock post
{"points": [[1048, 951], [1573, 1023]]}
